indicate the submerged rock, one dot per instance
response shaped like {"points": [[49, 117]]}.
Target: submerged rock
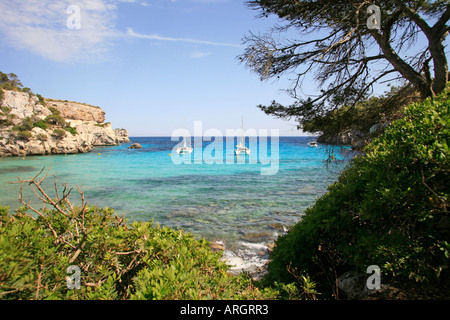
{"points": [[135, 146], [256, 236], [217, 246]]}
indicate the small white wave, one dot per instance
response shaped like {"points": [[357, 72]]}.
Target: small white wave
{"points": [[254, 246], [247, 257]]}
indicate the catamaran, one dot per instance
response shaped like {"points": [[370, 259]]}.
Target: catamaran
{"points": [[184, 148], [241, 148]]}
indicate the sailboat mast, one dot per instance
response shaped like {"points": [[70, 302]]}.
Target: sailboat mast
{"points": [[184, 138], [242, 136]]}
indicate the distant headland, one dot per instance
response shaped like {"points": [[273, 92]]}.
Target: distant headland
{"points": [[33, 125]]}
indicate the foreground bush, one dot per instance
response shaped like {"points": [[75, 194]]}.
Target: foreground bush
{"points": [[117, 260], [388, 208]]}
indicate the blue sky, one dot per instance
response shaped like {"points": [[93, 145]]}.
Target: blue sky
{"points": [[147, 63]]}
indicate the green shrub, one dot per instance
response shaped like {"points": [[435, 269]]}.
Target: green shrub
{"points": [[117, 259], [41, 137], [54, 111], [5, 114], [363, 115], [5, 122], [59, 133], [55, 120], [388, 208], [26, 125], [4, 109], [72, 130], [41, 99], [24, 135], [40, 124]]}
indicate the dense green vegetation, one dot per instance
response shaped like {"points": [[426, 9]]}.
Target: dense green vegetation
{"points": [[117, 259], [344, 59], [5, 113], [11, 81], [363, 116], [388, 208]]}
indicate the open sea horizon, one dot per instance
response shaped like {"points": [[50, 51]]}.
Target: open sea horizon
{"points": [[230, 202]]}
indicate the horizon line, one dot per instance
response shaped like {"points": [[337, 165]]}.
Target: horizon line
{"points": [[169, 136]]}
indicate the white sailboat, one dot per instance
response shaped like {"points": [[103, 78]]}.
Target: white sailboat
{"points": [[184, 148], [241, 148], [312, 143]]}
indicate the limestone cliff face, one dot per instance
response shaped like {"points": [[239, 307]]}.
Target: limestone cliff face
{"points": [[355, 138], [77, 111], [84, 126]]}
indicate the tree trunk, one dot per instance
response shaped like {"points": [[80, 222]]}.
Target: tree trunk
{"points": [[435, 36], [437, 51], [408, 72]]}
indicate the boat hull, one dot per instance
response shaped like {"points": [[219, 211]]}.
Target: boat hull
{"points": [[184, 150]]}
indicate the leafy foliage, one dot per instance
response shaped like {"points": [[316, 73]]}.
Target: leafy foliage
{"points": [[26, 125], [388, 208], [5, 113], [24, 135], [42, 137], [55, 119], [10, 82], [365, 114], [70, 129], [54, 111], [117, 259], [40, 124], [330, 42], [41, 99], [59, 133]]}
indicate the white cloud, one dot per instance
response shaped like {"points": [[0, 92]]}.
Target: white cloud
{"points": [[199, 54], [41, 27], [155, 36]]}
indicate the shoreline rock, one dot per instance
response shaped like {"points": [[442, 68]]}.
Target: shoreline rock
{"points": [[246, 257], [135, 146], [217, 246], [355, 138], [82, 127]]}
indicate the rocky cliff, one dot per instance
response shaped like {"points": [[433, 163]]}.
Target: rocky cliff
{"points": [[355, 138], [350, 137], [32, 125]]}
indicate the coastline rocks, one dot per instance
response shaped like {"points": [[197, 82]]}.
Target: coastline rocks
{"points": [[255, 236], [135, 146], [217, 246], [353, 137], [122, 135], [250, 258], [97, 134], [353, 286], [84, 128]]}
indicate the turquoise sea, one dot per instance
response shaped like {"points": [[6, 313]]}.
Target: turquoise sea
{"points": [[231, 202]]}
